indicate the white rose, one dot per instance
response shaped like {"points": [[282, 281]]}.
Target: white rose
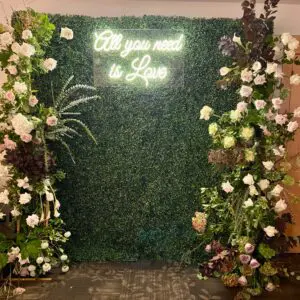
{"points": [[49, 64], [264, 184], [20, 87], [295, 79], [228, 142], [227, 187], [46, 267], [246, 91], [248, 203], [16, 48], [235, 116], [32, 220], [31, 268], [292, 126], [27, 50], [253, 191], [256, 66], [49, 196], [26, 34], [66, 33], [277, 190], [246, 75], [286, 38], [268, 165], [297, 112], [280, 151], [271, 68], [206, 112], [6, 39], [293, 44], [248, 179], [14, 58], [212, 129], [270, 231], [32, 273], [280, 206], [260, 104], [24, 198], [64, 257], [290, 54], [67, 234], [65, 269], [224, 71], [39, 260], [15, 212], [237, 40], [4, 197], [44, 245], [21, 125], [278, 53], [260, 80]]}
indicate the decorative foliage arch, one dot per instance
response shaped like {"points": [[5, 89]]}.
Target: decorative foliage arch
{"points": [[244, 219]]}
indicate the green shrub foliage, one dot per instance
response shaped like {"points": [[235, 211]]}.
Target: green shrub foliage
{"points": [[133, 194]]}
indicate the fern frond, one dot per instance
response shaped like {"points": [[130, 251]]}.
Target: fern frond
{"points": [[78, 101], [73, 89], [71, 113], [62, 92], [84, 126], [67, 148]]}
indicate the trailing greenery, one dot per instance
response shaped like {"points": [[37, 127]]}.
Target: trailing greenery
{"points": [[132, 195]]}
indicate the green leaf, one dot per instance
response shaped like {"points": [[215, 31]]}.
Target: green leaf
{"points": [[3, 260]]}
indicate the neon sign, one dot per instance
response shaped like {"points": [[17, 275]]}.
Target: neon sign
{"points": [[128, 58]]}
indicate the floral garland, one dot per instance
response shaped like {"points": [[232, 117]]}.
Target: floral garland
{"points": [[244, 219], [34, 239]]}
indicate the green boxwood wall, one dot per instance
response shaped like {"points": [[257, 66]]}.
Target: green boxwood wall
{"points": [[133, 195]]}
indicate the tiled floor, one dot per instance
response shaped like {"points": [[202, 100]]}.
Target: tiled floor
{"points": [[143, 281]]}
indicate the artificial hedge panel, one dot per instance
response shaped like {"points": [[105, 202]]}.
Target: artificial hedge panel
{"points": [[133, 195]]}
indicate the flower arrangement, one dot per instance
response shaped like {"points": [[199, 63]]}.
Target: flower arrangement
{"points": [[245, 217], [33, 241]]}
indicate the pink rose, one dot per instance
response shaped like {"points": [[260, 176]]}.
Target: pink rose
{"points": [[26, 137], [281, 119], [208, 248], [241, 106], [266, 131], [249, 248], [24, 272], [277, 103], [259, 104], [9, 144], [10, 96], [18, 291], [242, 281], [51, 121], [254, 263], [12, 69], [292, 126], [33, 101], [270, 115], [244, 259]]}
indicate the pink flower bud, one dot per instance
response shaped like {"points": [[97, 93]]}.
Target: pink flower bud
{"points": [[254, 263], [249, 248], [242, 281]]}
